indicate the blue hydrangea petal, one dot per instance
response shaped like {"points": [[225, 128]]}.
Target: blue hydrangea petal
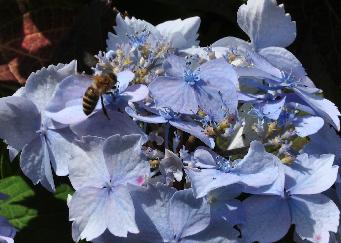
{"points": [[323, 107], [71, 88], [271, 110], [311, 174], [218, 92], [231, 41], [87, 210], [188, 215], [185, 30], [6, 239], [88, 168], [71, 114], [308, 125], [325, 141], [130, 26], [193, 129], [120, 212], [62, 149], [99, 125], [123, 79], [124, 160], [19, 121], [174, 93], [205, 180], [135, 93], [6, 230], [267, 218], [314, 216], [171, 167], [258, 168], [40, 86], [35, 163], [175, 66], [204, 158], [266, 23], [152, 208], [215, 234], [148, 119], [284, 60]]}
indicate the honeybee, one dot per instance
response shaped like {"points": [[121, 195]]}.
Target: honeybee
{"points": [[101, 84]]}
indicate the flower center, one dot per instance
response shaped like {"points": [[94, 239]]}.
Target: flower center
{"points": [[223, 164], [191, 77], [167, 113]]}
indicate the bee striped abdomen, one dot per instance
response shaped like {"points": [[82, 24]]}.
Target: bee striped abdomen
{"points": [[90, 100]]}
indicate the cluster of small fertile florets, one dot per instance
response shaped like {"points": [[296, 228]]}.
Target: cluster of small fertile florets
{"points": [[226, 143]]}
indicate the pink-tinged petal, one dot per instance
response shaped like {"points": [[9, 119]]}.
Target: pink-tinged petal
{"points": [[314, 217], [88, 167], [124, 159]]}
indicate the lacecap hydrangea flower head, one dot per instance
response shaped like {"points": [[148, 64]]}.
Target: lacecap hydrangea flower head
{"points": [[168, 141]]}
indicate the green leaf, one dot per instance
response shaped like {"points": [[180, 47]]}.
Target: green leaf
{"points": [[39, 215]]}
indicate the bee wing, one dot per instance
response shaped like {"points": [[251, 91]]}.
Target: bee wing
{"points": [[124, 78]]}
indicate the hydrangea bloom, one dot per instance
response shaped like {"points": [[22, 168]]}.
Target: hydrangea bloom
{"points": [[101, 175], [226, 143]]}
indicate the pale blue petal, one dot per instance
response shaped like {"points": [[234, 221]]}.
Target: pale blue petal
{"points": [[124, 160], [314, 217], [231, 41], [204, 158], [88, 168], [284, 60], [152, 208], [12, 152], [120, 212], [205, 180], [185, 29], [62, 149], [188, 215], [99, 125], [311, 174], [171, 167], [271, 110], [40, 86], [267, 218], [148, 119], [308, 125], [325, 141], [258, 168], [123, 79], [193, 129], [87, 210], [324, 108], [35, 163], [71, 88], [135, 93], [19, 121], [175, 66], [266, 23], [174, 93], [70, 114]]}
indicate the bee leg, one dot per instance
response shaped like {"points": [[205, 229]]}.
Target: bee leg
{"points": [[104, 109]]}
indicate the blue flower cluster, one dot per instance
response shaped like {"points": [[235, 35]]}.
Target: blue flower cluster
{"points": [[226, 143]]}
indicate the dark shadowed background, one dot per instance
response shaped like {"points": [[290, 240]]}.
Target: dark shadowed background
{"points": [[36, 33]]}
